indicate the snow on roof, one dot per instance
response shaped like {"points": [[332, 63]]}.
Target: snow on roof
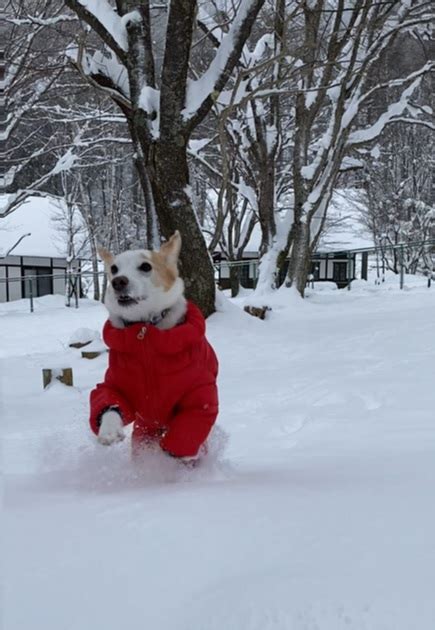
{"points": [[35, 216]]}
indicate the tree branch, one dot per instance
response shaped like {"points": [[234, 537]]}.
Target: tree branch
{"points": [[202, 93], [87, 16]]}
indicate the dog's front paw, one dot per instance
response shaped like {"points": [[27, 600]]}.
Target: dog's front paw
{"points": [[111, 428]]}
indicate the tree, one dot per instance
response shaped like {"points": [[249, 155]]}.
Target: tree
{"points": [[400, 190], [44, 101], [163, 108], [30, 75], [339, 46]]}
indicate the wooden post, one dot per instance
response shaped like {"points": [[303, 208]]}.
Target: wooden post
{"points": [[79, 344], [402, 267], [364, 265], [31, 293], [64, 375], [90, 354], [257, 311]]}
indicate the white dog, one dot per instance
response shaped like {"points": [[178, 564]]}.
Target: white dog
{"points": [[153, 375], [145, 286]]}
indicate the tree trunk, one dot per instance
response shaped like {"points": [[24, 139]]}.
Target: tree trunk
{"points": [[235, 280], [95, 276], [266, 205], [266, 213], [170, 183], [300, 255]]}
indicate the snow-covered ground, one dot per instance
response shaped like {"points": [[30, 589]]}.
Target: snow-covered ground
{"points": [[319, 515]]}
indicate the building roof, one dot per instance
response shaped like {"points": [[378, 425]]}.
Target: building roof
{"points": [[38, 216]]}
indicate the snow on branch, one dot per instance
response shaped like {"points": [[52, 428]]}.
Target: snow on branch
{"points": [[40, 90], [104, 72], [212, 30], [64, 163], [394, 112], [397, 82], [416, 121], [104, 20], [35, 19], [200, 92], [109, 19]]}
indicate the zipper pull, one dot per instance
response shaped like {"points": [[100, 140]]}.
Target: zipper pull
{"points": [[141, 333]]}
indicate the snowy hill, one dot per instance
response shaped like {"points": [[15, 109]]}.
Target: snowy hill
{"points": [[318, 516]]}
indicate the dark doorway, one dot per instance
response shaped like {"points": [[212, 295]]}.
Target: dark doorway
{"points": [[42, 283], [340, 273]]}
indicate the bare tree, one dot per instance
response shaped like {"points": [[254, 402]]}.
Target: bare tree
{"points": [[30, 74], [163, 108], [339, 46], [400, 191]]}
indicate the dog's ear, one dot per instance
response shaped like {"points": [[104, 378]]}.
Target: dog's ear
{"points": [[171, 249], [105, 256]]}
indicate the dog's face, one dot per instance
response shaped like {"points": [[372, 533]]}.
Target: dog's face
{"points": [[143, 282]]}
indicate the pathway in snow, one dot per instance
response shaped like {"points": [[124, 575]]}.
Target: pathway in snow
{"points": [[320, 515]]}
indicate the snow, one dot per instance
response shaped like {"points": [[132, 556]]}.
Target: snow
{"points": [[376, 152], [97, 345], [149, 101], [134, 17], [318, 516], [394, 111], [195, 146], [107, 64], [83, 335], [268, 263], [65, 162], [310, 97], [198, 90], [262, 47], [35, 216], [111, 21]]}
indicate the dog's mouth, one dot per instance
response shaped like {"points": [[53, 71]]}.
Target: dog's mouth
{"points": [[126, 300]]}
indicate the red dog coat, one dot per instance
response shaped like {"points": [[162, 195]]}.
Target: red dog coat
{"points": [[162, 380]]}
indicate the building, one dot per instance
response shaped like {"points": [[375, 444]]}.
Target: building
{"points": [[32, 251]]}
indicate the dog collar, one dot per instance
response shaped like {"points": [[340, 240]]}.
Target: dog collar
{"points": [[154, 320]]}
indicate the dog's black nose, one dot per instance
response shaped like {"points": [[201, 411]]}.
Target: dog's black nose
{"points": [[120, 283]]}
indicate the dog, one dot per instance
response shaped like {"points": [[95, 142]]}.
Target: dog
{"points": [[162, 370]]}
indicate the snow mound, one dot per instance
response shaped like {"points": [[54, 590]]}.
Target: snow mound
{"points": [[84, 335], [95, 346], [284, 299], [93, 468]]}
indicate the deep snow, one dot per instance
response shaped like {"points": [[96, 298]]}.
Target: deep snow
{"points": [[319, 515]]}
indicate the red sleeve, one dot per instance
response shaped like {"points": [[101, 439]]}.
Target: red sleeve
{"points": [[182, 336], [103, 397]]}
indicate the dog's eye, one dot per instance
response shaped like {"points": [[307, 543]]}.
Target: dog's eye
{"points": [[114, 269], [145, 267]]}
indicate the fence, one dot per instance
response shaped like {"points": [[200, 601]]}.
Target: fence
{"points": [[72, 283], [69, 284], [343, 266], [416, 257]]}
